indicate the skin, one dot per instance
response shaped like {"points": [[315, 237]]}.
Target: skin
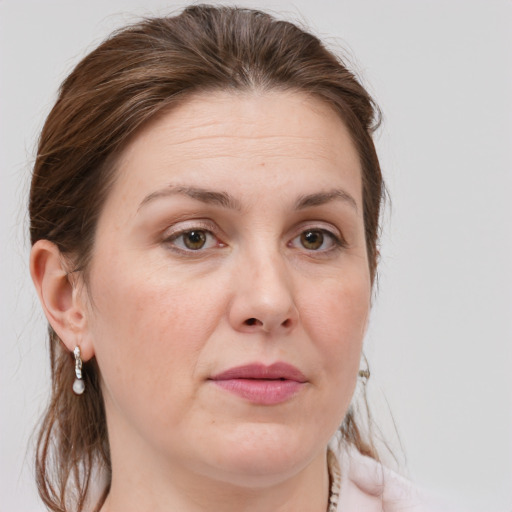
{"points": [[162, 319]]}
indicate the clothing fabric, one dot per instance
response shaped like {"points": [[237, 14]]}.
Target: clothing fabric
{"points": [[361, 484]]}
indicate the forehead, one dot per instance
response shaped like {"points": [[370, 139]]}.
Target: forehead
{"points": [[250, 117], [234, 137]]}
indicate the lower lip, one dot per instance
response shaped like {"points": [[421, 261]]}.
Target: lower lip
{"points": [[263, 392]]}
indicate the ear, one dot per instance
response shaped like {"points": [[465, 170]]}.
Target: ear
{"points": [[62, 300]]}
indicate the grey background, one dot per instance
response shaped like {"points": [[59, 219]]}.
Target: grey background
{"points": [[440, 339]]}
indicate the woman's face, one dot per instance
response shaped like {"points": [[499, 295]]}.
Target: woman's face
{"points": [[229, 287]]}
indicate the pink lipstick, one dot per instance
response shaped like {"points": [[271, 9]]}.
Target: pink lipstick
{"points": [[261, 384]]}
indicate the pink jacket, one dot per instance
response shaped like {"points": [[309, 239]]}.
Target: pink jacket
{"points": [[367, 486]]}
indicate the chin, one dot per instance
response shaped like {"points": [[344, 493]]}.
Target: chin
{"points": [[261, 454]]}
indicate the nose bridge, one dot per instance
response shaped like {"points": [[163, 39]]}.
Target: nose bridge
{"points": [[271, 279], [264, 298]]}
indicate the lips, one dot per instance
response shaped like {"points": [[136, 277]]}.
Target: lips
{"points": [[261, 384]]}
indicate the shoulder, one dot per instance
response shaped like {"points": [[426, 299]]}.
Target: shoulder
{"points": [[365, 484]]}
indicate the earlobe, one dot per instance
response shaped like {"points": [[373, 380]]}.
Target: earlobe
{"points": [[59, 297]]}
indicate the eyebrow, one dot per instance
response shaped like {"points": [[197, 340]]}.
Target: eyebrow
{"points": [[320, 198], [200, 194], [226, 200]]}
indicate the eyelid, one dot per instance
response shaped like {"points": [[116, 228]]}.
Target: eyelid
{"points": [[189, 225], [325, 227]]}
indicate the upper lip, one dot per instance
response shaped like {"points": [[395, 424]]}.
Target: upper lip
{"points": [[261, 371]]}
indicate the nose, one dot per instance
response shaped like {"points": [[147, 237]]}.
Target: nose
{"points": [[263, 299]]}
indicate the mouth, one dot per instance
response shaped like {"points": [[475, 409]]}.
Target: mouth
{"points": [[261, 384]]}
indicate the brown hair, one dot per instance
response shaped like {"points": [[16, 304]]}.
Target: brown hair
{"points": [[131, 77]]}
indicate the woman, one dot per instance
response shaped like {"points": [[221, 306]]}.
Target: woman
{"points": [[204, 218]]}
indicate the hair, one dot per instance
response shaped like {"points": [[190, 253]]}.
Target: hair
{"points": [[137, 73]]}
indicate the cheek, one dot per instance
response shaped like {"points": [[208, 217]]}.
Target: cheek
{"points": [[148, 329], [337, 319], [138, 298], [339, 311]]}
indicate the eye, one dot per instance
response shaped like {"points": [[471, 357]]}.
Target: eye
{"points": [[193, 240], [316, 240], [312, 240]]}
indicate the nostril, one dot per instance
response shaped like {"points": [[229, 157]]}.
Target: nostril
{"points": [[251, 322]]}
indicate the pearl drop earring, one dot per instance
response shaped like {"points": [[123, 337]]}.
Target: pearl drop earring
{"points": [[78, 385]]}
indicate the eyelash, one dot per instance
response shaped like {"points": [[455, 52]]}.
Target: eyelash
{"points": [[202, 228], [337, 242]]}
